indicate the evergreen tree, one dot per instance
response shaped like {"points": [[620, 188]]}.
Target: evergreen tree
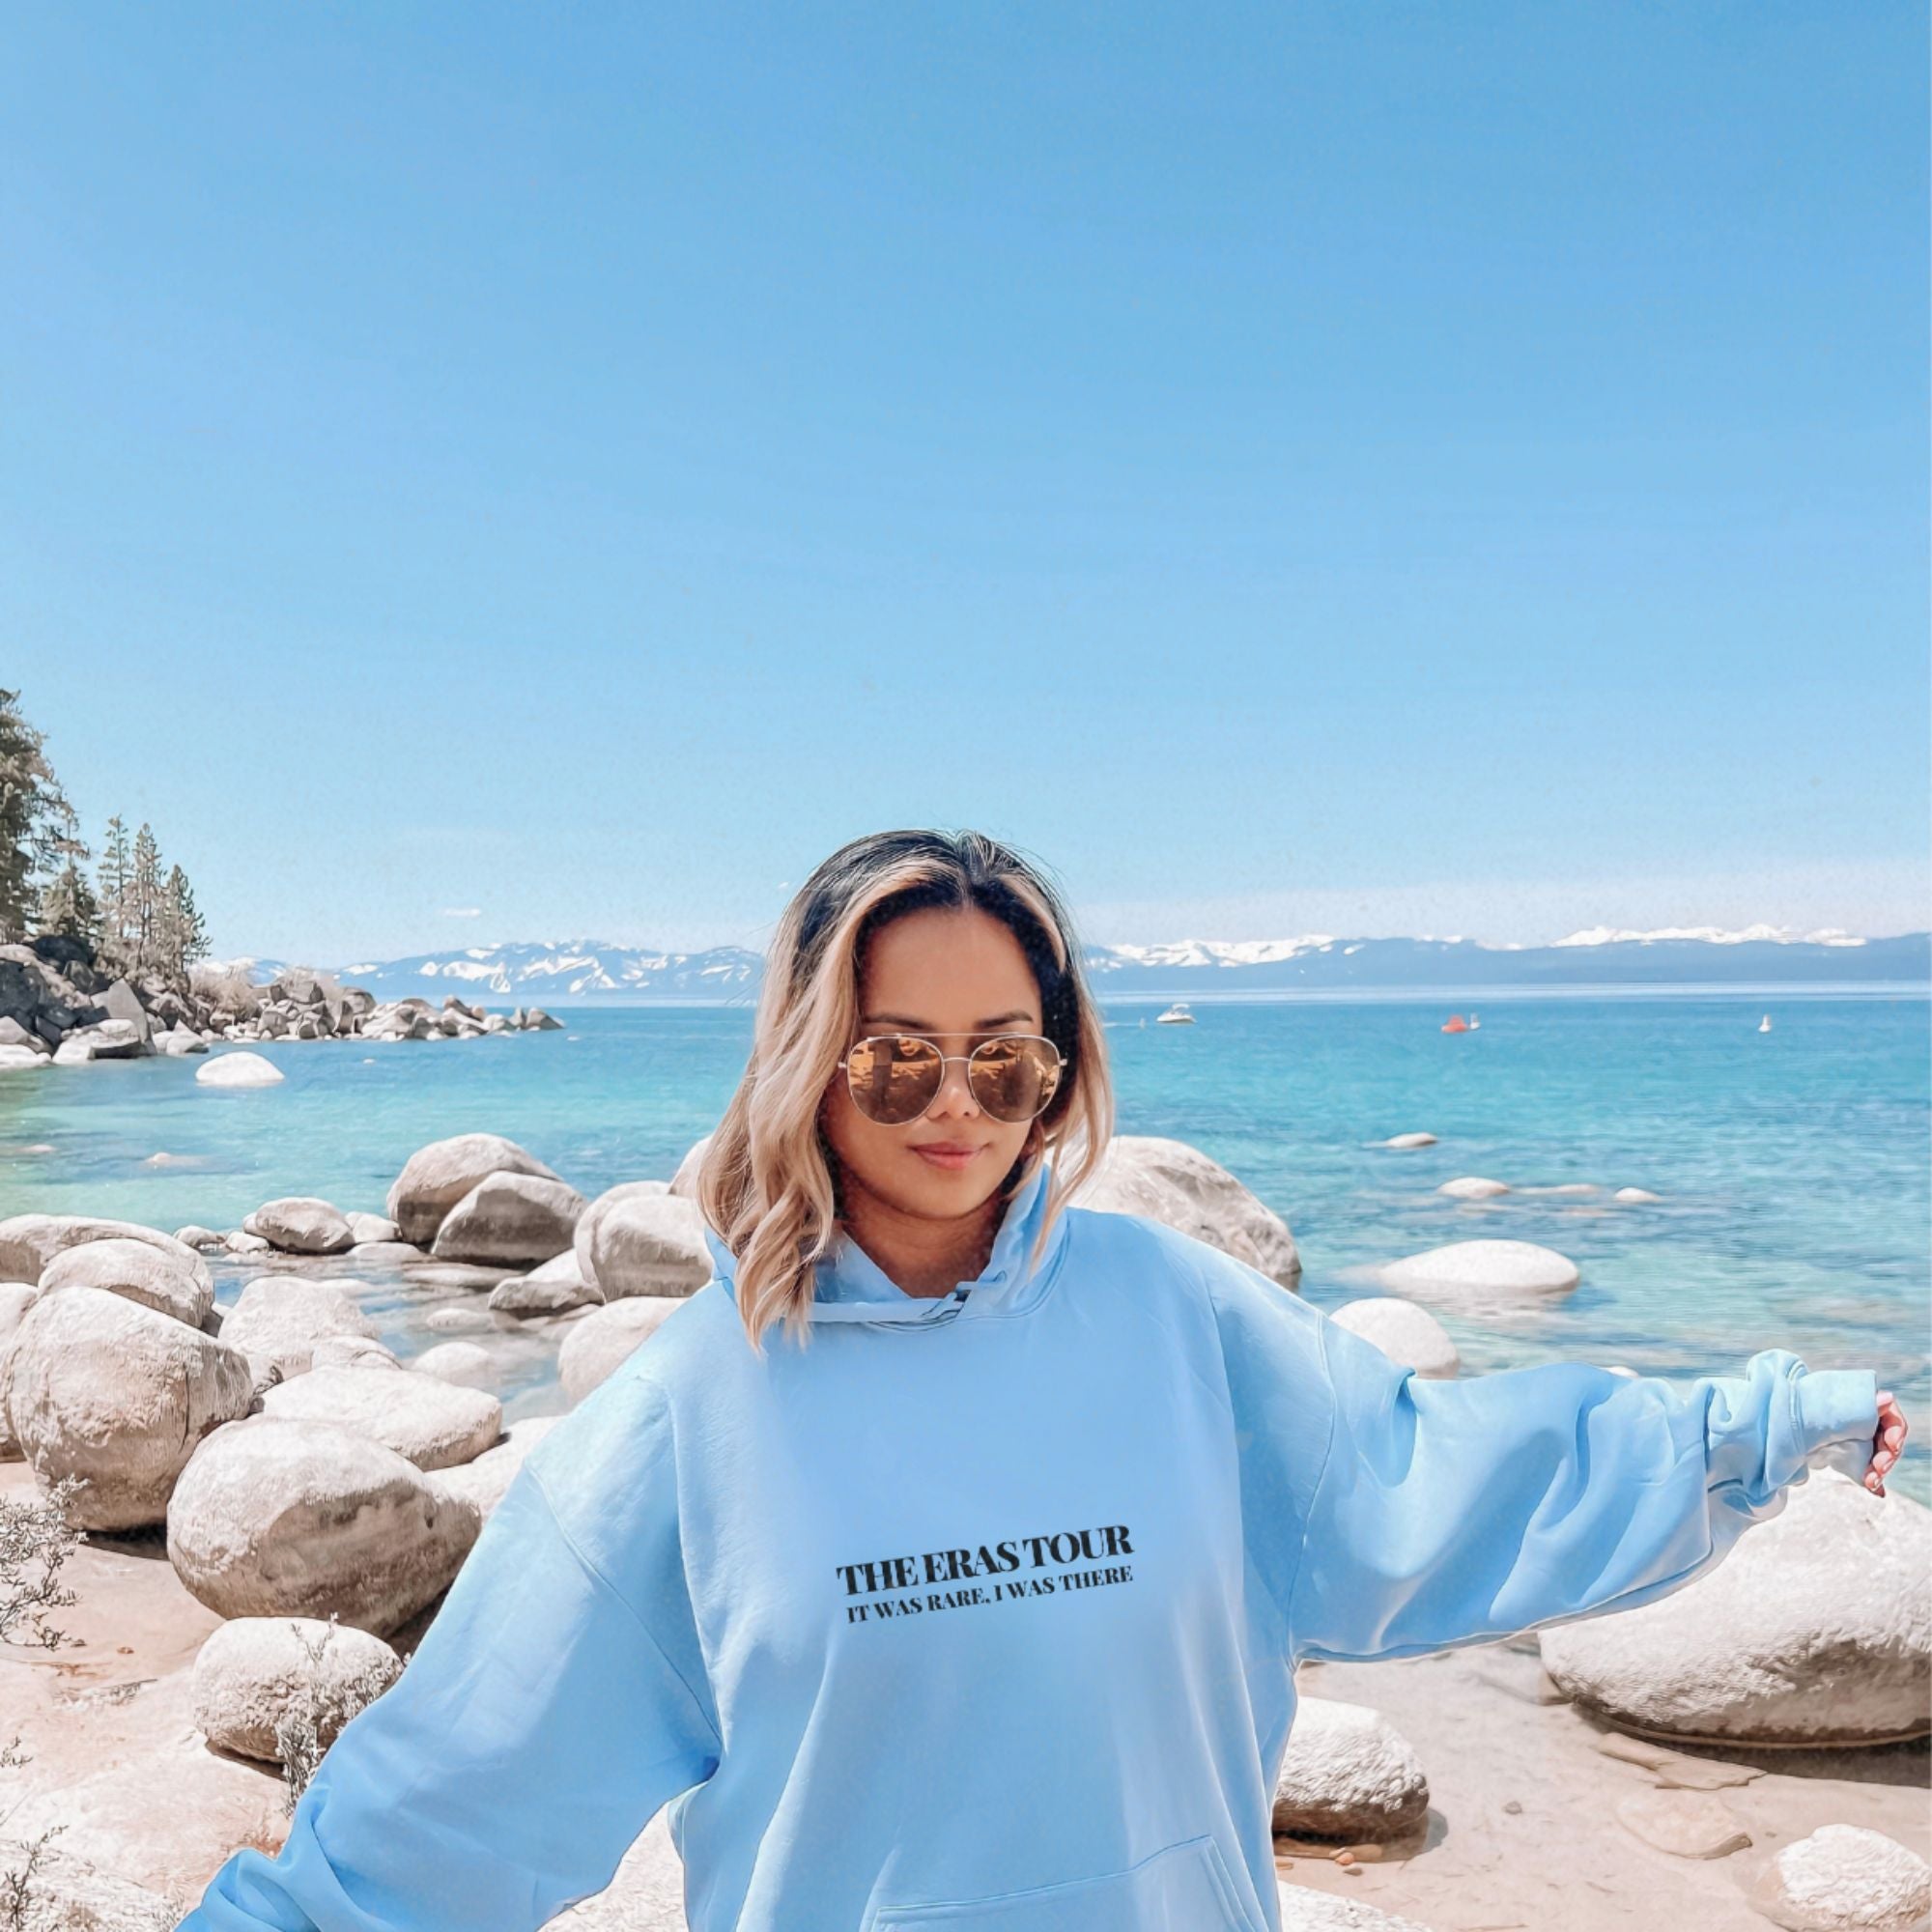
{"points": [[184, 934], [117, 883], [32, 809], [67, 905], [145, 908]]}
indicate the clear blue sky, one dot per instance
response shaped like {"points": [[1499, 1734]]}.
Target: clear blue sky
{"points": [[1348, 467]]}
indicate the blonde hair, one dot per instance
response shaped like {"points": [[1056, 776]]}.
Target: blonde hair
{"points": [[767, 1182]]}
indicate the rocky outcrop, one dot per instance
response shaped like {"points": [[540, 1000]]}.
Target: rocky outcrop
{"points": [[59, 1005]]}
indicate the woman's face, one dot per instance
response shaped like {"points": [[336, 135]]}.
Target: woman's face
{"points": [[954, 977]]}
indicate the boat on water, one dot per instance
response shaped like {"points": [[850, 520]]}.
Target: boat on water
{"points": [[1175, 1015], [1455, 1023], [1475, 1025], [1764, 1025]]}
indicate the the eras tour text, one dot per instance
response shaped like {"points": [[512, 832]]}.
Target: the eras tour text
{"points": [[992, 1572]]}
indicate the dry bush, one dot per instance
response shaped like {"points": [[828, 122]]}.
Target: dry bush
{"points": [[227, 988]]}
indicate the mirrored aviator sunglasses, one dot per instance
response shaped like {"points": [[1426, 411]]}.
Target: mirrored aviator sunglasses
{"points": [[895, 1077]]}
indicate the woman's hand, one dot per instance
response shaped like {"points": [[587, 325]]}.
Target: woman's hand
{"points": [[1888, 1439]]}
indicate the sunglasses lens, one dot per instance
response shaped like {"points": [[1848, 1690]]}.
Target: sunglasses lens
{"points": [[1014, 1079], [892, 1077]]}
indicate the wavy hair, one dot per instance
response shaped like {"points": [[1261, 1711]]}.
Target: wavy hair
{"points": [[768, 1181]]}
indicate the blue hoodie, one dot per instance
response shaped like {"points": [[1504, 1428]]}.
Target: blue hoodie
{"points": [[981, 1610]]}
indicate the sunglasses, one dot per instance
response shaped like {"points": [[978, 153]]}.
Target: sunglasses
{"points": [[895, 1077]]}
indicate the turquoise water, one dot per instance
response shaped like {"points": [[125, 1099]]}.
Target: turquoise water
{"points": [[1796, 1206]]}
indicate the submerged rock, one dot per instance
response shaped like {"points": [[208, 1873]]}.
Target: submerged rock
{"points": [[299, 1224], [1408, 1335], [1483, 1272], [240, 1069]]}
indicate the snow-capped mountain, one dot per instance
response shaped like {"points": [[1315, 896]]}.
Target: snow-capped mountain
{"points": [[588, 971]]}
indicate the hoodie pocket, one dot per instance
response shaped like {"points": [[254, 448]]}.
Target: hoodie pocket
{"points": [[1183, 1888]]}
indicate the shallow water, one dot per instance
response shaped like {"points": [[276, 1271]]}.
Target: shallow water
{"points": [[1797, 1205]]}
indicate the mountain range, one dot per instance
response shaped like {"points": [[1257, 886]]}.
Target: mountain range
{"points": [[556, 972]]}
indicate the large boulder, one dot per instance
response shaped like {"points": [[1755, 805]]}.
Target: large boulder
{"points": [[601, 1342], [436, 1177], [465, 1365], [277, 1320], [100, 1387], [240, 1068], [508, 1219], [1479, 1276], [279, 1517], [432, 1422], [299, 1224], [1815, 1629], [1408, 1335], [640, 1239], [1347, 1772], [137, 1270], [28, 1242], [21, 1060], [253, 1673], [15, 1299], [1170, 1181]]}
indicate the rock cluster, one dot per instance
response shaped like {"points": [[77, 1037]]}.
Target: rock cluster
{"points": [[58, 1007]]}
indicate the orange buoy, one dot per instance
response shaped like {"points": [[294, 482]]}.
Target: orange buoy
{"points": [[1455, 1023]]}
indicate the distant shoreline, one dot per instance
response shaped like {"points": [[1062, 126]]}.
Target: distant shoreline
{"points": [[1823, 989]]}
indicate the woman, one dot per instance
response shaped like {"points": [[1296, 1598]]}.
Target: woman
{"points": [[945, 1561]]}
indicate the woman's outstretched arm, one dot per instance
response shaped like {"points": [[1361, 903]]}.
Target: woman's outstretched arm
{"points": [[1390, 1514], [548, 1712]]}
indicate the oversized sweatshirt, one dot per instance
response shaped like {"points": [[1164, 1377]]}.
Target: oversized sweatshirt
{"points": [[981, 1610]]}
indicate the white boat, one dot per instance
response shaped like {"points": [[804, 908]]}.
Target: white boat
{"points": [[1475, 1025], [1764, 1025], [1175, 1015]]}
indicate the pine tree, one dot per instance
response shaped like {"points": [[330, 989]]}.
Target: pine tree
{"points": [[32, 810], [67, 905], [146, 903], [117, 883], [183, 936]]}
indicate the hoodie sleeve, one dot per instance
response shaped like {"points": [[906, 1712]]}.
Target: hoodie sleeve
{"points": [[1392, 1516], [555, 1703]]}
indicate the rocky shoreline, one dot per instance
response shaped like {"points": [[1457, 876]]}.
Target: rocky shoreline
{"points": [[59, 1008], [275, 1498]]}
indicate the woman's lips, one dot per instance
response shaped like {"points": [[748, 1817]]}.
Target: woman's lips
{"points": [[951, 1159]]}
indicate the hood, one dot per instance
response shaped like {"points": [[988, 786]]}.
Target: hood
{"points": [[852, 1287]]}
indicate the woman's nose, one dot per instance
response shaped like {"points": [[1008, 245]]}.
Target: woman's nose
{"points": [[955, 1092]]}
